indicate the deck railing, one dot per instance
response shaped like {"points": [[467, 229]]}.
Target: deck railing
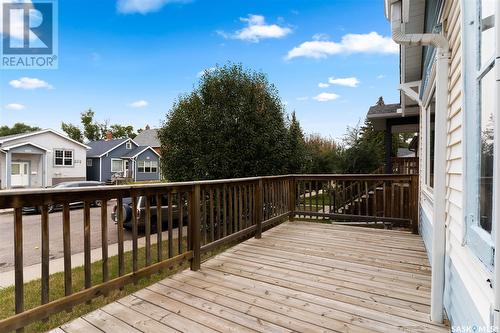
{"points": [[215, 213]]}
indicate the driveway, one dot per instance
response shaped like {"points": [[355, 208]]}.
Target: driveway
{"points": [[32, 235]]}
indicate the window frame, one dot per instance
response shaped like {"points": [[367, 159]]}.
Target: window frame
{"points": [[122, 166], [128, 145], [64, 158], [147, 165], [90, 162], [478, 240]]}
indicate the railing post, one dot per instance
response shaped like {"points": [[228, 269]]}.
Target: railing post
{"points": [[259, 209], [293, 196], [194, 232]]}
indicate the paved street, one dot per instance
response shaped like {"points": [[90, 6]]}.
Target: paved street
{"points": [[32, 236]]}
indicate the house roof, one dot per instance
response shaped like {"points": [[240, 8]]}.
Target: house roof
{"points": [[148, 137], [24, 143], [381, 110], [101, 147], [11, 137], [137, 151]]}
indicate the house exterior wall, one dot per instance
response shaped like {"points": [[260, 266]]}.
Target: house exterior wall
{"points": [[148, 155], [3, 168], [468, 297], [118, 152], [51, 141], [93, 171]]}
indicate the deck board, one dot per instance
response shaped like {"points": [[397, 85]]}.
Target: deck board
{"points": [[305, 277]]}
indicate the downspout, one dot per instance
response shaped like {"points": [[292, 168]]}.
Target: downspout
{"points": [[496, 172], [439, 232]]}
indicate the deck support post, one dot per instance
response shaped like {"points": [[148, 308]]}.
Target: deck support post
{"points": [[194, 230], [388, 148], [259, 209]]}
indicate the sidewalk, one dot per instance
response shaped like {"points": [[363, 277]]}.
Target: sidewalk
{"points": [[34, 272]]}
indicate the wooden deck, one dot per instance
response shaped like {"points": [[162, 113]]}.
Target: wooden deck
{"points": [[302, 277]]}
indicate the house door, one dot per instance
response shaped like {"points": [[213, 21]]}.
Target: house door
{"points": [[20, 174], [126, 168]]}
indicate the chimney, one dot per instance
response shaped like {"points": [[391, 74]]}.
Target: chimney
{"points": [[109, 136], [147, 127]]}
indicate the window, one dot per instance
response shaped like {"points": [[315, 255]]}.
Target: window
{"points": [[147, 166], [16, 168], [63, 157], [128, 145], [89, 162], [479, 81], [116, 165]]}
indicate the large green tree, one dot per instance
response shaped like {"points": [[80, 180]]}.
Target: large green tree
{"points": [[231, 125], [296, 147], [17, 128]]}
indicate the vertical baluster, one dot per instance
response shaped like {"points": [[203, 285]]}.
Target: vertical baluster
{"points": [[224, 211], [230, 208], [86, 245], [367, 201], [240, 208], [204, 216], [218, 221], [135, 249], [375, 202], [180, 224], [121, 261], [235, 212], [359, 196], [147, 228], [68, 289], [104, 240], [401, 200], [384, 199], [170, 209], [303, 182], [18, 260], [159, 227], [393, 190], [194, 227], [252, 204], [45, 254], [211, 209]]}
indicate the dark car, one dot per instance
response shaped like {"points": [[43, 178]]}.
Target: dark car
{"points": [[141, 209], [73, 184]]}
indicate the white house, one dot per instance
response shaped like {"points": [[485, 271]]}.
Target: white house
{"points": [[39, 159], [449, 71]]}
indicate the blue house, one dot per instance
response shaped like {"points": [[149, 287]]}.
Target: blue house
{"points": [[121, 158]]}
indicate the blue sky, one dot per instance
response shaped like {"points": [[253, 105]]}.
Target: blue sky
{"points": [[130, 59]]}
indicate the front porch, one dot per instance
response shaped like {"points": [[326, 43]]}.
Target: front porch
{"points": [[304, 277]]}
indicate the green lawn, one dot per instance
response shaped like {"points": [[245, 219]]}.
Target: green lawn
{"points": [[32, 290]]}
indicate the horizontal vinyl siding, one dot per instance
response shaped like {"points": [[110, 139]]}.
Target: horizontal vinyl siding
{"points": [[467, 294], [426, 232]]}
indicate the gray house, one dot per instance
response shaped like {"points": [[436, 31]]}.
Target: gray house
{"points": [[121, 158]]}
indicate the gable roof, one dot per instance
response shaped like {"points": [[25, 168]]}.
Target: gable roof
{"points": [[11, 137], [379, 110], [148, 137], [102, 147], [139, 150], [24, 143]]}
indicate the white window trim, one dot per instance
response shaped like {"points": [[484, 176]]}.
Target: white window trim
{"points": [[148, 164], [128, 145], [480, 242], [122, 165], [64, 158], [90, 163]]}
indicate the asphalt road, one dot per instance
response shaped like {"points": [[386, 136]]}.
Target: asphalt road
{"points": [[32, 235]]}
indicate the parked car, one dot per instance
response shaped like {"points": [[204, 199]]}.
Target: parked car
{"points": [[141, 212], [73, 184]]}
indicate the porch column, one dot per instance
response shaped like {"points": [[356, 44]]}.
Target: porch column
{"points": [[388, 148]]}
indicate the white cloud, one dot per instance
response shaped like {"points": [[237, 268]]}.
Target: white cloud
{"points": [[139, 104], [143, 6], [325, 97], [350, 43], [381, 76], [209, 70], [323, 85], [14, 107], [346, 81], [303, 98], [30, 83], [257, 29]]}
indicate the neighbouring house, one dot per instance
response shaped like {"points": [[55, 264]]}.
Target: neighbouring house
{"points": [[39, 159], [111, 159], [448, 80], [149, 137]]}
